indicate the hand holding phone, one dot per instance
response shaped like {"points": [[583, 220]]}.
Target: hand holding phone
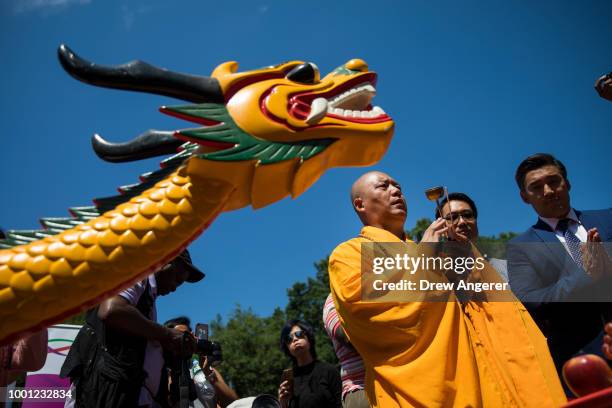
{"points": [[285, 391]]}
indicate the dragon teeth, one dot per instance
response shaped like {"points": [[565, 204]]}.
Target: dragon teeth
{"points": [[347, 113], [363, 88], [369, 88], [318, 109], [378, 111], [321, 106]]}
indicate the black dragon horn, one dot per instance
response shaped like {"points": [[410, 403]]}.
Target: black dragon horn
{"points": [[149, 144], [142, 77]]}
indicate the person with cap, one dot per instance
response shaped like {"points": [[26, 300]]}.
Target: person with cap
{"points": [[207, 387], [117, 357]]}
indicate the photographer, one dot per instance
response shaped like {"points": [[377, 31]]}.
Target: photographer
{"points": [[205, 382], [176, 370], [116, 359]]}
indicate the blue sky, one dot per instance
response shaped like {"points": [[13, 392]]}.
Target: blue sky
{"points": [[474, 87]]}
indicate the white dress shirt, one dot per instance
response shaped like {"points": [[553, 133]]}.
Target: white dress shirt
{"points": [[575, 227]]}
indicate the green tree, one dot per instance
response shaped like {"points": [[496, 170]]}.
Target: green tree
{"points": [[495, 246], [252, 360], [416, 233]]}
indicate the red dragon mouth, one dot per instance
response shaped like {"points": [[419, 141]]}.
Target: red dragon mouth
{"points": [[349, 102]]}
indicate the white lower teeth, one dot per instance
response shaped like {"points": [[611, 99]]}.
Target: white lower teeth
{"points": [[347, 113]]}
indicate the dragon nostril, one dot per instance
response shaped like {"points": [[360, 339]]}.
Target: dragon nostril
{"points": [[307, 73], [357, 65]]}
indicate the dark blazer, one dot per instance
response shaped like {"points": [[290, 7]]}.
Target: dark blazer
{"points": [[544, 277]]}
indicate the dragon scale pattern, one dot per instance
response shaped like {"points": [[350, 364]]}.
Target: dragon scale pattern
{"points": [[119, 247]]}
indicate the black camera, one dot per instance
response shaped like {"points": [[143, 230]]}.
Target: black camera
{"points": [[207, 347], [204, 346], [211, 349]]}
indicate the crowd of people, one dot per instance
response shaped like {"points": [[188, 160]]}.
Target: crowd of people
{"points": [[465, 351], [455, 347]]}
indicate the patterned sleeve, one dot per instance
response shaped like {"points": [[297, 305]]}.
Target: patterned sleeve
{"points": [[133, 294], [330, 317]]}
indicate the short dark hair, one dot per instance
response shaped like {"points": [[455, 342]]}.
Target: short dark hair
{"points": [[172, 323], [534, 162], [458, 197], [309, 335]]}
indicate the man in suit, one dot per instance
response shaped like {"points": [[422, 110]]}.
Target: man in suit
{"points": [[559, 267]]}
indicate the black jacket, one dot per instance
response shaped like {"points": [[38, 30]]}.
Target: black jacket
{"points": [[106, 365]]}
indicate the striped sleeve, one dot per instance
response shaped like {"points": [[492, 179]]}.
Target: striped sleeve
{"points": [[330, 317]]}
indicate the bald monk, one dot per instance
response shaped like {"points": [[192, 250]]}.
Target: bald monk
{"points": [[435, 354]]}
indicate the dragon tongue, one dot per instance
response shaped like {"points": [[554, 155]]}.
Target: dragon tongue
{"points": [[318, 109]]}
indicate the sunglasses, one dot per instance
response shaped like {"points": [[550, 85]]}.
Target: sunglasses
{"points": [[298, 334]]}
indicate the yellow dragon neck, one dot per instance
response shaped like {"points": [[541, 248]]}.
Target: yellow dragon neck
{"points": [[43, 280]]}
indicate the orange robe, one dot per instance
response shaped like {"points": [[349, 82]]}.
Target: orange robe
{"points": [[442, 354]]}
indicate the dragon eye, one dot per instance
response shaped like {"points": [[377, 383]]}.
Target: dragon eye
{"points": [[307, 73]]}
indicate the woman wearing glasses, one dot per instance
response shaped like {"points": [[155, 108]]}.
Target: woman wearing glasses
{"points": [[313, 383]]}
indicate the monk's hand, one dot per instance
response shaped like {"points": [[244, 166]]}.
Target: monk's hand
{"points": [[607, 342], [595, 259], [603, 86], [436, 231]]}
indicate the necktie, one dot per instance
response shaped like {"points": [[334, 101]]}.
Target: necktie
{"points": [[571, 240]]}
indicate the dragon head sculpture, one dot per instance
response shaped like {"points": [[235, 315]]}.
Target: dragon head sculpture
{"points": [[260, 136], [271, 132]]}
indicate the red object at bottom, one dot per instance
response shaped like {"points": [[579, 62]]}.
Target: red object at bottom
{"points": [[599, 399]]}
